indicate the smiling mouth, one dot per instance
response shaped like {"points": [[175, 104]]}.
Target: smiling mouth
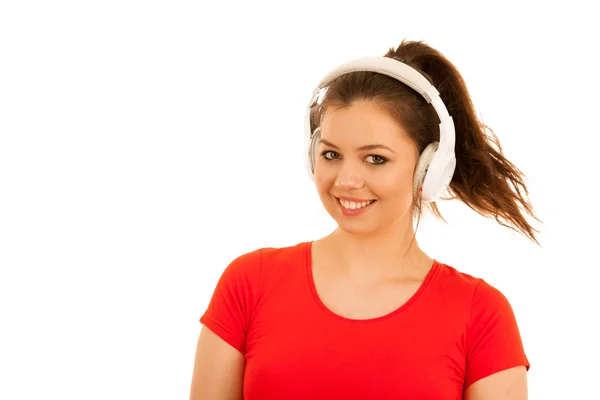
{"points": [[354, 205]]}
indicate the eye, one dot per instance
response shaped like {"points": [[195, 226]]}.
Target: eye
{"points": [[329, 155], [377, 160]]}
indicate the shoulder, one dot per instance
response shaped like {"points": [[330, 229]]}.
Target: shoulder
{"points": [[490, 308], [484, 297], [457, 285], [252, 263], [477, 288], [488, 297], [242, 281], [478, 298]]}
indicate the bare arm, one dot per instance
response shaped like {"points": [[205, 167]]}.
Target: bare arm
{"points": [[218, 369]]}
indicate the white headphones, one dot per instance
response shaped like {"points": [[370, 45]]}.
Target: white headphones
{"points": [[436, 164]]}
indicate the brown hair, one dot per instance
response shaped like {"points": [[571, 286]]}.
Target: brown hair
{"points": [[483, 179]]}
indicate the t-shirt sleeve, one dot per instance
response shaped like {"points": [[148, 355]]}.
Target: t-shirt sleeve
{"points": [[493, 340], [233, 299]]}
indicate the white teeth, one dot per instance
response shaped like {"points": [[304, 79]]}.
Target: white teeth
{"points": [[351, 205]]}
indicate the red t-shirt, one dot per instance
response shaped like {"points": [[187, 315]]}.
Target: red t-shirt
{"points": [[455, 330]]}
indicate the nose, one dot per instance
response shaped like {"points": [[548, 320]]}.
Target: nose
{"points": [[349, 177]]}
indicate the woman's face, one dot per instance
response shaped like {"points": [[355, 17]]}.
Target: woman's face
{"points": [[364, 168]]}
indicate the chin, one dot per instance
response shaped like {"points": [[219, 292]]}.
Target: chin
{"points": [[361, 225], [355, 229], [370, 223]]}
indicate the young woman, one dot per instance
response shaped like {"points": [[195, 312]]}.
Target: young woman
{"points": [[364, 313]]}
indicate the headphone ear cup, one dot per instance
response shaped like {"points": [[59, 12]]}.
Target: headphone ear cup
{"points": [[312, 149], [422, 168]]}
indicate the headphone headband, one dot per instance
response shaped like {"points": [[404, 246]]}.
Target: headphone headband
{"points": [[386, 66]]}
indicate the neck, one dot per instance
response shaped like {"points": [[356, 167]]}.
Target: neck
{"points": [[377, 255]]}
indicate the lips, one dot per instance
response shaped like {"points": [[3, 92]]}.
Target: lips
{"points": [[355, 205], [351, 207]]}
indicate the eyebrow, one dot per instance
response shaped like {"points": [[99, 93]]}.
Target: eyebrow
{"points": [[362, 148]]}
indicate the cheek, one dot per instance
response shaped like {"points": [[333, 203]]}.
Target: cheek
{"points": [[324, 177], [321, 182], [397, 187]]}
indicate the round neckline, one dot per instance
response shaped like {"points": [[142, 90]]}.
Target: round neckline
{"points": [[313, 289]]}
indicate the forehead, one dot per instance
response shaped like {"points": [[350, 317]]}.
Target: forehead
{"points": [[362, 123]]}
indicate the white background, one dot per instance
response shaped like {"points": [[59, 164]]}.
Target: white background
{"points": [[144, 145]]}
